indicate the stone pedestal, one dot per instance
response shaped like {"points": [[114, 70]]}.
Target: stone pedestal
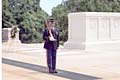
{"points": [[6, 36], [93, 30]]}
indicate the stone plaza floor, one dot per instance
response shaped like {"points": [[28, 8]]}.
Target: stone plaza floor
{"points": [[28, 62]]}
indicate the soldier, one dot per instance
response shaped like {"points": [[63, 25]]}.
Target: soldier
{"points": [[51, 38]]}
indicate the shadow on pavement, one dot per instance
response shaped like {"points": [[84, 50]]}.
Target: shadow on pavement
{"points": [[62, 73]]}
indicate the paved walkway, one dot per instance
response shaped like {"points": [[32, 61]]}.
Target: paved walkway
{"points": [[28, 62]]}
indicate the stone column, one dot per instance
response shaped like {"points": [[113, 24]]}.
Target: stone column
{"points": [[93, 30]]}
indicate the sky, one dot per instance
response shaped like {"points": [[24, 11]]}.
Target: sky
{"points": [[47, 5]]}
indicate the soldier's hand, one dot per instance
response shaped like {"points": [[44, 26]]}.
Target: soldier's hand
{"points": [[52, 39]]}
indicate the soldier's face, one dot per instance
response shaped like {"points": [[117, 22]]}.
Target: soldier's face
{"points": [[51, 24]]}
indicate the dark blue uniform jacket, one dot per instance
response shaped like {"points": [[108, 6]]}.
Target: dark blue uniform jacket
{"points": [[51, 44]]}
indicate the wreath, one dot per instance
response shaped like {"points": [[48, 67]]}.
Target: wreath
{"points": [[13, 32]]}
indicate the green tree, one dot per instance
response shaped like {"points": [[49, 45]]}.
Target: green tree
{"points": [[27, 15]]}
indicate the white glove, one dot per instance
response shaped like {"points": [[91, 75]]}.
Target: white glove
{"points": [[52, 39]]}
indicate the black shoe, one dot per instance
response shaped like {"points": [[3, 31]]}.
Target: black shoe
{"points": [[55, 71]]}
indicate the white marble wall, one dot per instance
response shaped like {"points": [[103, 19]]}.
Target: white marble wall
{"points": [[93, 30]]}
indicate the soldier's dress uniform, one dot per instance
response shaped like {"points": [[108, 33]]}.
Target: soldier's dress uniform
{"points": [[51, 47]]}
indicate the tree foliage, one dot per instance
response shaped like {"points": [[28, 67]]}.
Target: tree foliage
{"points": [[27, 15]]}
